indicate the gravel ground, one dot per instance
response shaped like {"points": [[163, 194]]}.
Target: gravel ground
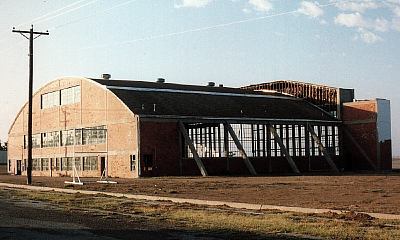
{"points": [[368, 193]]}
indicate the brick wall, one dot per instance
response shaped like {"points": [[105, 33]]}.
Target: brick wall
{"points": [[369, 124]]}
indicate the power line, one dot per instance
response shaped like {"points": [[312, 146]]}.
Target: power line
{"points": [[48, 16], [205, 28], [68, 11], [94, 14], [50, 13]]}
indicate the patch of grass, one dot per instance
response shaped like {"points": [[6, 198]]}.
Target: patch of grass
{"points": [[331, 226]]}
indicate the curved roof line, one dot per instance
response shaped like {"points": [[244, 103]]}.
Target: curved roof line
{"points": [[63, 78]]}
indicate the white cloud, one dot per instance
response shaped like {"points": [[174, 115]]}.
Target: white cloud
{"points": [[323, 22], [261, 5], [246, 10], [350, 20], [310, 9], [396, 11], [396, 24], [356, 20], [357, 5], [193, 3], [380, 24], [369, 37]]}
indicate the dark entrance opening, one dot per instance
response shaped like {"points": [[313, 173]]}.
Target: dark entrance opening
{"points": [[148, 163], [19, 166], [103, 165]]}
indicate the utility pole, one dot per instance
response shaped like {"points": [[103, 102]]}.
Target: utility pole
{"points": [[32, 35]]}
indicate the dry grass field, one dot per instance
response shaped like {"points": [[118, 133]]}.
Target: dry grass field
{"points": [[202, 222], [354, 192]]}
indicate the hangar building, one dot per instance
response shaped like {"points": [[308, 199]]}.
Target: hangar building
{"points": [[131, 129]]}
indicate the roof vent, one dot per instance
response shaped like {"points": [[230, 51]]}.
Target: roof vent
{"points": [[160, 80], [211, 84], [221, 85], [106, 76]]}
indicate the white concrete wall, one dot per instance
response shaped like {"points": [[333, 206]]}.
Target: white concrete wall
{"points": [[384, 121]]}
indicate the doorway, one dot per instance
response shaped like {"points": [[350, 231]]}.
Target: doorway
{"points": [[148, 163], [103, 166], [19, 167]]}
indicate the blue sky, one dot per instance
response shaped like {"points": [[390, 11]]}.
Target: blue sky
{"points": [[350, 44]]}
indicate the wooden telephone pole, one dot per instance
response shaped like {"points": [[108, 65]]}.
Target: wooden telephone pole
{"points": [[32, 35]]}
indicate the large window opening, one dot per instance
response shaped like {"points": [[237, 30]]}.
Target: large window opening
{"points": [[70, 95], [62, 97], [90, 163], [258, 141]]}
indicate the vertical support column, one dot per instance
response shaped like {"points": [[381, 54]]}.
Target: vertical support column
{"points": [[241, 150], [287, 140], [333, 140], [210, 142], [284, 150], [226, 147], [219, 140], [189, 142], [319, 137], [183, 153], [326, 137], [322, 149], [268, 143], [258, 141], [294, 140]]}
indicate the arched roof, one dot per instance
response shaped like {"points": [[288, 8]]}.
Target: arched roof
{"points": [[166, 100]]}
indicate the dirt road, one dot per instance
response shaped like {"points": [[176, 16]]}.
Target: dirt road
{"points": [[366, 193]]}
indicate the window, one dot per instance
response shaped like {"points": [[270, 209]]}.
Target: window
{"points": [[94, 135], [58, 164], [67, 137], [50, 99], [36, 140], [65, 96], [90, 163], [303, 140], [336, 140], [78, 164], [70, 95], [133, 162], [36, 164], [50, 139], [66, 163], [78, 136], [45, 164]]}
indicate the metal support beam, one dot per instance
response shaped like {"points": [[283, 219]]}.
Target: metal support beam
{"points": [[321, 147], [241, 149], [226, 147], [362, 151], [189, 142], [284, 149]]}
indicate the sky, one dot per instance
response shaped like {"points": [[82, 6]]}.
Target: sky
{"points": [[348, 44]]}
